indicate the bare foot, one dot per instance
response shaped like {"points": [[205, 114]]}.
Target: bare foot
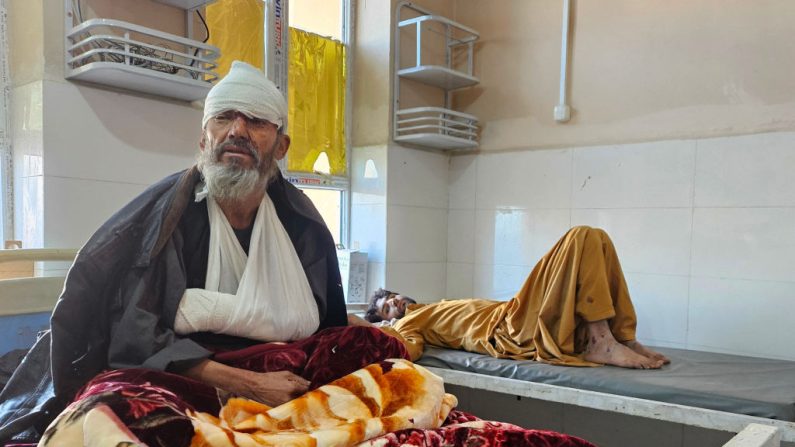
{"points": [[603, 348], [644, 351]]}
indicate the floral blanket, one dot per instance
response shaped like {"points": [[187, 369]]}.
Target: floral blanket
{"points": [[390, 403], [366, 401], [384, 397]]}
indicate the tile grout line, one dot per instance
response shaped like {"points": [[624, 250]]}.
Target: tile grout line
{"points": [[692, 231]]}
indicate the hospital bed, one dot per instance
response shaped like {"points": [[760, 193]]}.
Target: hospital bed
{"points": [[32, 281], [752, 397], [718, 392]]}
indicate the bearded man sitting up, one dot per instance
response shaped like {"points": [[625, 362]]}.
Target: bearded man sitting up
{"points": [[172, 304], [574, 309]]}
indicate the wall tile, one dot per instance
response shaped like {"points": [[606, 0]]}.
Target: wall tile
{"points": [[656, 174], [417, 178], [460, 280], [462, 181], [517, 237], [416, 234], [744, 243], [661, 305], [750, 170], [644, 194], [530, 179], [423, 281], [90, 136], [647, 240], [742, 317], [74, 208], [461, 236], [368, 230]]}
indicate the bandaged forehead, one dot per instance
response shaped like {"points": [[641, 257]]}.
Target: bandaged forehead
{"points": [[247, 90]]}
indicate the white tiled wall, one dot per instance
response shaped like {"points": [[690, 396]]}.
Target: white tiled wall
{"points": [[81, 153], [416, 223], [705, 230]]}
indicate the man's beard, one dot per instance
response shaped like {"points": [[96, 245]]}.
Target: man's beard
{"points": [[231, 181], [408, 301]]}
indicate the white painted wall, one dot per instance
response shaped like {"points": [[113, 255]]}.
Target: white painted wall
{"points": [[640, 70], [705, 230]]}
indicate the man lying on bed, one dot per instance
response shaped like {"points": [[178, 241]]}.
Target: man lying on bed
{"points": [[176, 296], [574, 309]]}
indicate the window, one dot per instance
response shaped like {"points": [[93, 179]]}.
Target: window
{"points": [[315, 69], [318, 96], [329, 203]]}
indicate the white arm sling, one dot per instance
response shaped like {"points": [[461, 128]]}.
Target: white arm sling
{"points": [[264, 296]]}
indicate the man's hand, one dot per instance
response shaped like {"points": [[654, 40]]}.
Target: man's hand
{"points": [[271, 388]]}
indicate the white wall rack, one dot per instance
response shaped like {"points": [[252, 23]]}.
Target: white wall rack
{"points": [[133, 57], [434, 127]]}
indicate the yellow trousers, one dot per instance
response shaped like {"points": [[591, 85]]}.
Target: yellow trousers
{"points": [[579, 280]]}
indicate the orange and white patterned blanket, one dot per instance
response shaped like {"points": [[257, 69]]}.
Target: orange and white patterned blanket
{"points": [[384, 397]]}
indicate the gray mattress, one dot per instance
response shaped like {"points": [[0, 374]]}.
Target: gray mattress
{"points": [[743, 385]]}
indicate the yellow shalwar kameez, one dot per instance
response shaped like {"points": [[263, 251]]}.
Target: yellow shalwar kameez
{"points": [[579, 280]]}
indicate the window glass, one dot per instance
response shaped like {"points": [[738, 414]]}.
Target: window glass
{"points": [[316, 94], [328, 202], [323, 17]]}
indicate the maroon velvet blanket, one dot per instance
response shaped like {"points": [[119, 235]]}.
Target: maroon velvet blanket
{"points": [[152, 405]]}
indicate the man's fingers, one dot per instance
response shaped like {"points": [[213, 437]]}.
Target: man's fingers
{"points": [[301, 381], [299, 388], [296, 379]]}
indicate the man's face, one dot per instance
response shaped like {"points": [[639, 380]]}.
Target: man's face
{"points": [[241, 151], [393, 306]]}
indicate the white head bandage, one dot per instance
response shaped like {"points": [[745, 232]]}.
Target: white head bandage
{"points": [[247, 90]]}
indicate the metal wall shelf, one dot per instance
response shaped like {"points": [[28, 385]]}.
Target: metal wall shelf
{"points": [[133, 57], [438, 76], [141, 80], [434, 127]]}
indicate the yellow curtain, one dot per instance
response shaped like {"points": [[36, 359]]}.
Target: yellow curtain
{"points": [[237, 27], [316, 95]]}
